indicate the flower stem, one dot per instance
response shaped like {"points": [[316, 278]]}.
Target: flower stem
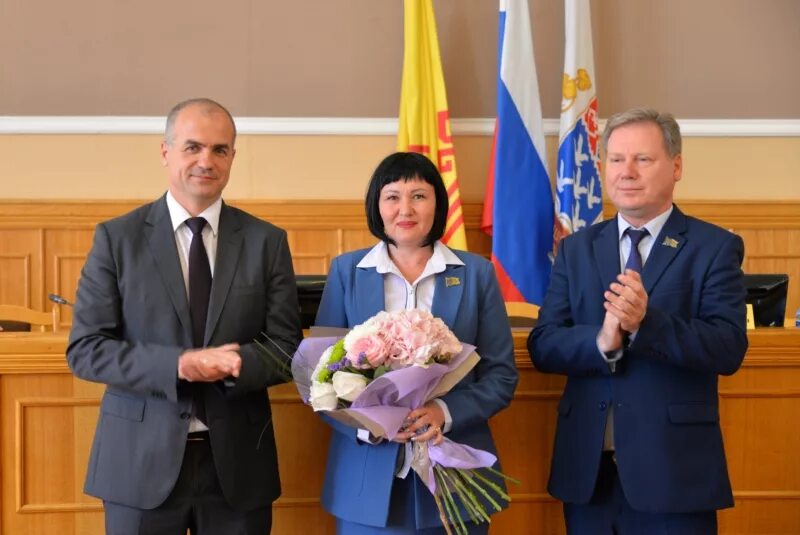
{"points": [[501, 474], [492, 485], [475, 509], [453, 513], [479, 488]]}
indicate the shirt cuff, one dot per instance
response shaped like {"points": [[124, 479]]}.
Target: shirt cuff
{"points": [[448, 420], [611, 356], [631, 337], [365, 436], [408, 456]]}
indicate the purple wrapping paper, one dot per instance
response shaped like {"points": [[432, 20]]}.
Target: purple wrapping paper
{"points": [[383, 406], [450, 455]]}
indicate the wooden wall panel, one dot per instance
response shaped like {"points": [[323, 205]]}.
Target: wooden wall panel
{"points": [[754, 423], [529, 515], [765, 514], [42, 425], [45, 448], [65, 254], [302, 440], [313, 249], [20, 266], [353, 239], [15, 285], [756, 405], [43, 243]]}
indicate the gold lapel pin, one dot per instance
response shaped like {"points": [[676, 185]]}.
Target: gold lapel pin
{"points": [[452, 281], [670, 242]]}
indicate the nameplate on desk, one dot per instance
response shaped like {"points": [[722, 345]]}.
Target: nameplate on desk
{"points": [[751, 319]]}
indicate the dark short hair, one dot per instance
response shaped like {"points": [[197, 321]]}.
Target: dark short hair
{"points": [[670, 130], [406, 166], [205, 103]]}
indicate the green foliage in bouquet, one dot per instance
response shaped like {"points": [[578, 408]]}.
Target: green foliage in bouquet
{"points": [[280, 360], [338, 353]]}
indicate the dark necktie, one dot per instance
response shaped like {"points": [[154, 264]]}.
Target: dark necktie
{"points": [[199, 280], [199, 292], [634, 262], [635, 257]]}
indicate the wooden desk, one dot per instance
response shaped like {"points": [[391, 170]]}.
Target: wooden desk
{"points": [[47, 420]]}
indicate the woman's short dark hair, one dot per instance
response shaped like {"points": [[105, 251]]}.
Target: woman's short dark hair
{"points": [[406, 166]]}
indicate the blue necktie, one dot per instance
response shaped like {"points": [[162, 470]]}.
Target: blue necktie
{"points": [[634, 262], [635, 257], [199, 293]]}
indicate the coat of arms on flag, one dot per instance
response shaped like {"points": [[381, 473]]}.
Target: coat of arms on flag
{"points": [[579, 198]]}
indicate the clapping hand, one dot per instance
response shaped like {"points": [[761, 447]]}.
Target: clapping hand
{"points": [[210, 364], [626, 300]]}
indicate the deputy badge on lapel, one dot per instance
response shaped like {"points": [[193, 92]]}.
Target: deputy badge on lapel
{"points": [[452, 281], [670, 242]]}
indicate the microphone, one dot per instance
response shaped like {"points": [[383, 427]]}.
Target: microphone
{"points": [[55, 298]]}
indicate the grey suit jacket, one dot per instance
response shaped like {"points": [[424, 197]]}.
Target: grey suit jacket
{"points": [[131, 323]]}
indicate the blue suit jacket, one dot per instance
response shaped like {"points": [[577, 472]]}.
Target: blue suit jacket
{"points": [[359, 476], [666, 418]]}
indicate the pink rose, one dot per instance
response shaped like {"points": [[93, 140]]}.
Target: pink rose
{"points": [[368, 351]]}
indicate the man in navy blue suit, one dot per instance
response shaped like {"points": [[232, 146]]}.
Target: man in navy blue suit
{"points": [[643, 313]]}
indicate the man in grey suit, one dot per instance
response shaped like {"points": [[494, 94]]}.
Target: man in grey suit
{"points": [[170, 301]]}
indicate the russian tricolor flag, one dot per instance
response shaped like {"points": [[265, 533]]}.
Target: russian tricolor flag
{"points": [[518, 212]]}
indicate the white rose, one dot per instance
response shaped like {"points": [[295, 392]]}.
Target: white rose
{"points": [[348, 385], [323, 397]]}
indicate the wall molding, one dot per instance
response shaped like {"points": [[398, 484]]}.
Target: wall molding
{"points": [[358, 126], [349, 214]]}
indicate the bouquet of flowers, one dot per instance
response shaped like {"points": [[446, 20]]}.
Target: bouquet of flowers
{"points": [[385, 367]]}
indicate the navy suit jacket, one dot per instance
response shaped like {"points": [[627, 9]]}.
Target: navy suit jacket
{"points": [[667, 436], [359, 476], [131, 323]]}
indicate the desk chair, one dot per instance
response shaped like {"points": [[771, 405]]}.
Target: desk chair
{"points": [[38, 321]]}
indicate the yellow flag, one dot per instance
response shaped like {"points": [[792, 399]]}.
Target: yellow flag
{"points": [[424, 123]]}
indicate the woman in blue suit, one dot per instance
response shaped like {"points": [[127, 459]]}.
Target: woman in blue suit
{"points": [[368, 485]]}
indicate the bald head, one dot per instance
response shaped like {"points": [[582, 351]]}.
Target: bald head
{"points": [[204, 105]]}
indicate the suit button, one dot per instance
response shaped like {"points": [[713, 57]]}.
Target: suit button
{"points": [[185, 415], [602, 405]]}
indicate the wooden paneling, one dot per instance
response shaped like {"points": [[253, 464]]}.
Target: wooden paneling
{"points": [[43, 244], [302, 440], [758, 407], [65, 254], [47, 420], [20, 266], [41, 423]]}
